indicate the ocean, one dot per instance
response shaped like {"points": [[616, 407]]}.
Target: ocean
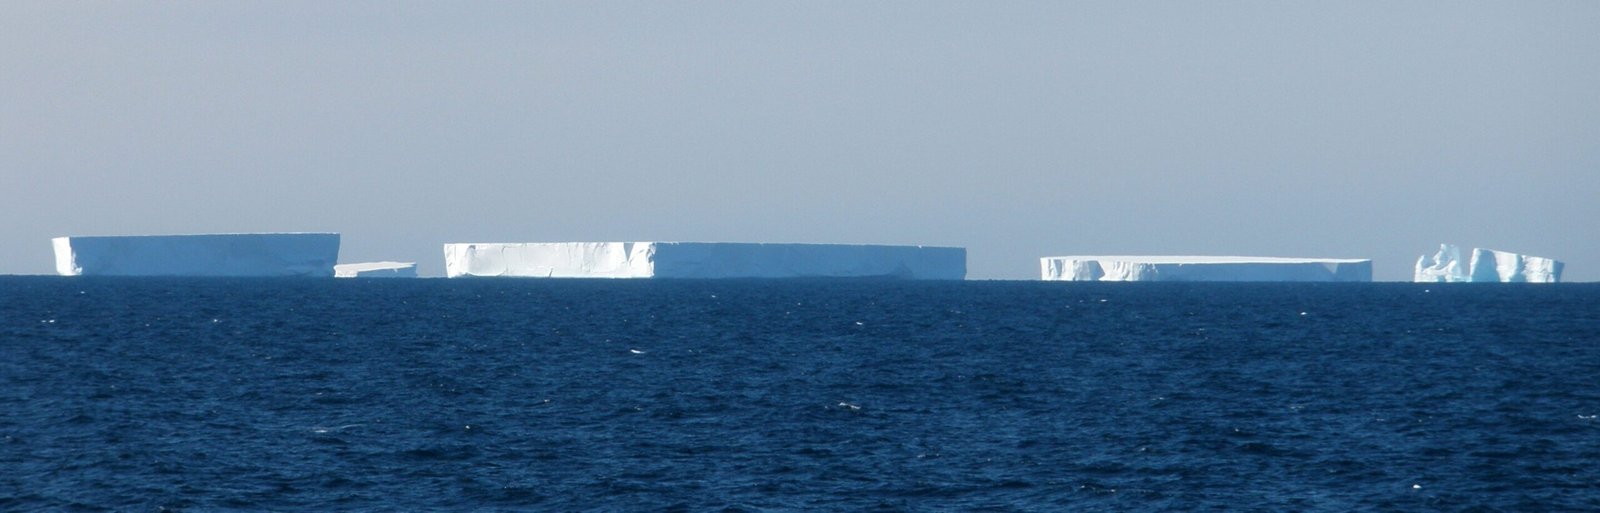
{"points": [[779, 395]]}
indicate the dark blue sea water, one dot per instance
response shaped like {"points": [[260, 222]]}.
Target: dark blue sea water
{"points": [[325, 395]]}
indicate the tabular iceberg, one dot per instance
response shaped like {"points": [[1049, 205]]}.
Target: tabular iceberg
{"points": [[376, 270], [1486, 266], [232, 254], [1203, 268], [702, 260]]}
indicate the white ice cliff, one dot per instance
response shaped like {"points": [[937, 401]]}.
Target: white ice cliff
{"points": [[1202, 268], [233, 254], [702, 260], [1486, 266], [1445, 267], [376, 270]]}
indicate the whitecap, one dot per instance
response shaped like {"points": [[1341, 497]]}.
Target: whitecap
{"points": [[320, 430]]}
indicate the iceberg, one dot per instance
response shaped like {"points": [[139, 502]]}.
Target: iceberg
{"points": [[1203, 268], [231, 254], [702, 260], [1446, 267], [1501, 266], [376, 270], [1486, 266]]}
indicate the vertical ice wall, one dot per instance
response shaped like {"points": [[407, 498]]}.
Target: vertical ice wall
{"points": [[550, 260], [232, 254], [702, 260], [1446, 266], [1486, 266], [1202, 268], [750, 260], [1503, 266], [376, 270]]}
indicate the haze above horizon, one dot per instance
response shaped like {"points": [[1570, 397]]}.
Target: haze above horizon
{"points": [[1017, 130]]}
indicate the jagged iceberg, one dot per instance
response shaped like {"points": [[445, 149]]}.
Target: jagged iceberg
{"points": [[232, 254], [376, 270], [1203, 268], [1486, 266], [1446, 266], [703, 260]]}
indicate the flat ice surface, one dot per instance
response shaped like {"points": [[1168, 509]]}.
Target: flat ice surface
{"points": [[702, 260], [230, 254], [376, 270], [1486, 266], [1202, 268]]}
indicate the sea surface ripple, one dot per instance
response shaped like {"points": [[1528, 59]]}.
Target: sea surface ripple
{"points": [[356, 395]]}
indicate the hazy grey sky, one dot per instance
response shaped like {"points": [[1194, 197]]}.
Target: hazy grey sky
{"points": [[1015, 129]]}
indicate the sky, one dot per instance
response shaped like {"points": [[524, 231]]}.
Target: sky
{"points": [[1015, 129]]}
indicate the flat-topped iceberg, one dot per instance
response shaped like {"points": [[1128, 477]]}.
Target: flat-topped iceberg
{"points": [[1486, 266], [702, 260], [1203, 268], [376, 270], [230, 254]]}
